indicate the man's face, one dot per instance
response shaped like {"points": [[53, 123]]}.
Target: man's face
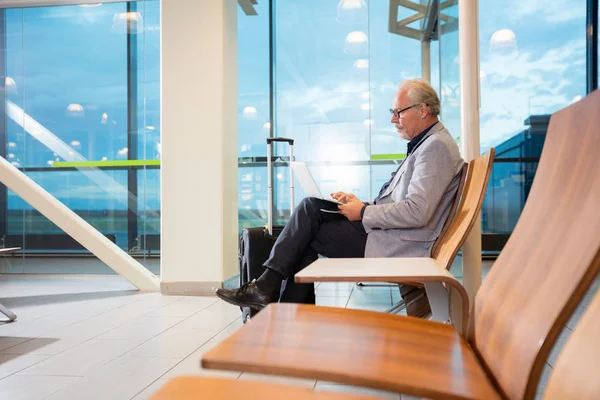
{"points": [[407, 124]]}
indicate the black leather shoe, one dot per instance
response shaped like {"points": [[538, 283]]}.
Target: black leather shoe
{"points": [[249, 295]]}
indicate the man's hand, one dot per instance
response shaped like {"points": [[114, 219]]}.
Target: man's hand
{"points": [[343, 197], [351, 209]]}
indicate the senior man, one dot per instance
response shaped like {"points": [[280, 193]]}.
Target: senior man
{"points": [[404, 220]]}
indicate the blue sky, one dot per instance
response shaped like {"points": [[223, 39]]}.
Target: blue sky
{"points": [[318, 87], [338, 112]]}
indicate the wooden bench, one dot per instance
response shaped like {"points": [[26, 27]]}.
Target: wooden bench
{"points": [[547, 265], [575, 375], [9, 314]]}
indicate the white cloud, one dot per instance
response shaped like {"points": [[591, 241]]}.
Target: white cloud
{"points": [[523, 84], [551, 11], [321, 99]]}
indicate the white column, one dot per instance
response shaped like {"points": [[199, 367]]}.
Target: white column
{"points": [[468, 45], [426, 61], [199, 145]]}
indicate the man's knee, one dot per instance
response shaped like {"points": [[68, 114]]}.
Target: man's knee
{"points": [[310, 203]]}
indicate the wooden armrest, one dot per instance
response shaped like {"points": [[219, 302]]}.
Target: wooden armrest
{"points": [[405, 270], [394, 270], [366, 348], [195, 387]]}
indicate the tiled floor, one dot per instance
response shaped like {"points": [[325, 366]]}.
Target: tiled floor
{"points": [[95, 337]]}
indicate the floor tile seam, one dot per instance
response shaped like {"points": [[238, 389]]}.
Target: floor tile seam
{"points": [[102, 364], [22, 369]]}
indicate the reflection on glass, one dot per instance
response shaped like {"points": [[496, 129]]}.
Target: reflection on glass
{"points": [[127, 22], [351, 12], [356, 43], [503, 41]]}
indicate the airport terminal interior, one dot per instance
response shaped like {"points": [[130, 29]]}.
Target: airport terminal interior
{"points": [[113, 239]]}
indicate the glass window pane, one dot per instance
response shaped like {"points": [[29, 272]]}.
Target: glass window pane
{"points": [[72, 75], [528, 69], [253, 114], [104, 207], [449, 70], [73, 95]]}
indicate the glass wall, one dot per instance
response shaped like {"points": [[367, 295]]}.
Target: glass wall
{"points": [[528, 71], [336, 67], [81, 90], [254, 115], [82, 120], [449, 70]]}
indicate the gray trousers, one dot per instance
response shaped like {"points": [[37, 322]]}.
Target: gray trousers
{"points": [[309, 233]]}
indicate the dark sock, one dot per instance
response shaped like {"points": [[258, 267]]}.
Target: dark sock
{"points": [[270, 282]]}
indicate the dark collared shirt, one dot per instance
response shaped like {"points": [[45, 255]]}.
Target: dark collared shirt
{"points": [[416, 140], [410, 147]]}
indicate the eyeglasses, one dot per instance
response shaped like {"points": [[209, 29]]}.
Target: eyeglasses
{"points": [[400, 113]]}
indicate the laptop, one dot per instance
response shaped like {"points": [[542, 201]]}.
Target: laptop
{"points": [[308, 182]]}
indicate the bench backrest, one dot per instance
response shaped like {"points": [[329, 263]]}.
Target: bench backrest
{"points": [[550, 260], [453, 208], [469, 206]]}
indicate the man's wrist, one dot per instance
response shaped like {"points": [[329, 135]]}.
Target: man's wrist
{"points": [[362, 211]]}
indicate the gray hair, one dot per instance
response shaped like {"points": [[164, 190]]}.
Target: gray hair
{"points": [[420, 91]]}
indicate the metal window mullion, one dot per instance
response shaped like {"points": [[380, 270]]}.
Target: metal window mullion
{"points": [[272, 100], [132, 134], [3, 126], [592, 45]]}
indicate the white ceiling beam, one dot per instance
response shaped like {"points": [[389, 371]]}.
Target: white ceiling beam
{"points": [[248, 6]]}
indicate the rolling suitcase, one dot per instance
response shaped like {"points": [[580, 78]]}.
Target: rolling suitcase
{"points": [[256, 243]]}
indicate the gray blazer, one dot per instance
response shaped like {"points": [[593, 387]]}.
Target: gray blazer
{"points": [[409, 216]]}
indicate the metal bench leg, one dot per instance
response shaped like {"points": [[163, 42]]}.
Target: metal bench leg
{"points": [[438, 301], [11, 315], [396, 308]]}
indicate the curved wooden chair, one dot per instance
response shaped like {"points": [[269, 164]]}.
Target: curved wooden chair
{"points": [[446, 296], [547, 265], [464, 172], [414, 298]]}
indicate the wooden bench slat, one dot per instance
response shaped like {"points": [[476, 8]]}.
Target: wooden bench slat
{"points": [[194, 388], [382, 351]]}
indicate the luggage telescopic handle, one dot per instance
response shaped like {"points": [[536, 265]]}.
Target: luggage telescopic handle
{"points": [[280, 139], [270, 178]]}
